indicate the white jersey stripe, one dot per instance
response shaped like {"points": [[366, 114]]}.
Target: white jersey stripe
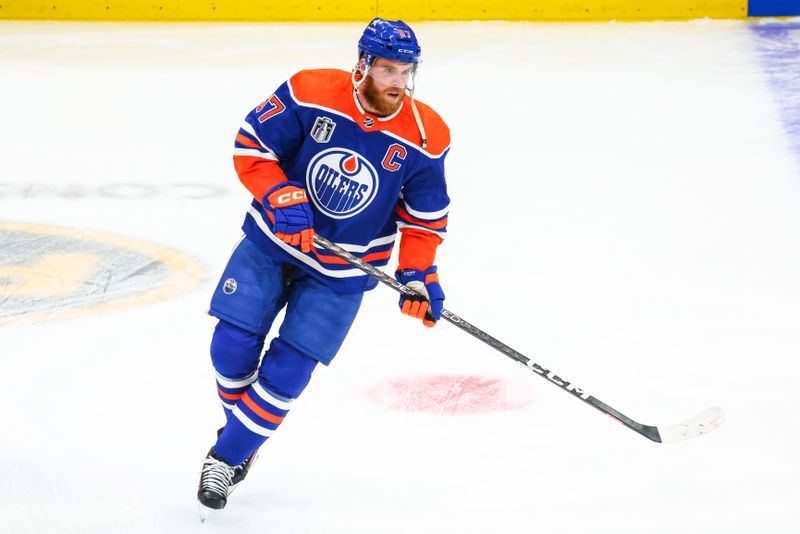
{"points": [[267, 397], [414, 145], [363, 248], [252, 152], [253, 427], [240, 383], [426, 215], [247, 127], [314, 264], [401, 224]]}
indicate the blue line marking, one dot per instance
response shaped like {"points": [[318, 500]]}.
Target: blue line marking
{"points": [[773, 8], [778, 45]]}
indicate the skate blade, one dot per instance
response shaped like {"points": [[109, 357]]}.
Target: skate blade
{"points": [[232, 487], [205, 511]]}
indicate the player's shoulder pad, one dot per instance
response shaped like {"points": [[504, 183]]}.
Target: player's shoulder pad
{"points": [[319, 86], [436, 130]]}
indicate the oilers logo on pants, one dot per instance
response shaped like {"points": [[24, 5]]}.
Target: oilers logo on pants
{"points": [[341, 182]]}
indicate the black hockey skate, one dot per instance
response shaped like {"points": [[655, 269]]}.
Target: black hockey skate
{"points": [[215, 484], [240, 471]]}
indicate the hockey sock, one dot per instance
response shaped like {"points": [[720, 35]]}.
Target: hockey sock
{"points": [[231, 390], [255, 417], [235, 353], [284, 374]]}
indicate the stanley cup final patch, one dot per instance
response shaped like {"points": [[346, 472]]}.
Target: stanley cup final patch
{"points": [[322, 130]]}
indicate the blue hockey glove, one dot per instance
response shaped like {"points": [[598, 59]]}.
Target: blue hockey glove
{"points": [[429, 302], [292, 220]]}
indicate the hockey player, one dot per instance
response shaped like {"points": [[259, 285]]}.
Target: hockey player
{"points": [[354, 157]]}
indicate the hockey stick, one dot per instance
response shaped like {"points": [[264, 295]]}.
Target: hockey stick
{"points": [[702, 423]]}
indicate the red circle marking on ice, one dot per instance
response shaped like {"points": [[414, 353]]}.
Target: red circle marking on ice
{"points": [[451, 394]]}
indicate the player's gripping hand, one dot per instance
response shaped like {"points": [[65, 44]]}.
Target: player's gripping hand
{"points": [[429, 301], [291, 216]]}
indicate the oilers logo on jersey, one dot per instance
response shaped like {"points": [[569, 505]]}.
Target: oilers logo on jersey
{"points": [[341, 182]]}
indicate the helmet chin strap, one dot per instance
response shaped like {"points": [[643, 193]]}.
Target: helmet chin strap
{"points": [[357, 83], [409, 92], [366, 61], [419, 120]]}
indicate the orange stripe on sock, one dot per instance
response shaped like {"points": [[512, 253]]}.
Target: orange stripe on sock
{"points": [[262, 413], [229, 396]]}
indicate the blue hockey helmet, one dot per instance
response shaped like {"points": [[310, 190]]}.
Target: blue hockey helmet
{"points": [[390, 39]]}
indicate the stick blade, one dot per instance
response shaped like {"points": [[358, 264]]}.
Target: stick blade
{"points": [[698, 425]]}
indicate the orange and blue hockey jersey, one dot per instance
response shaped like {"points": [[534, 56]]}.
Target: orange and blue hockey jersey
{"points": [[366, 176]]}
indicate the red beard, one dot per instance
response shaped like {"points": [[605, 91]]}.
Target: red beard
{"points": [[378, 100]]}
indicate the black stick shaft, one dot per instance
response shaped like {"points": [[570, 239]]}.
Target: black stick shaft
{"points": [[649, 432]]}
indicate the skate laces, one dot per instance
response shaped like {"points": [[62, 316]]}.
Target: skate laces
{"points": [[216, 476]]}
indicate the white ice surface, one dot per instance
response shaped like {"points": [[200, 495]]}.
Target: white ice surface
{"points": [[624, 211]]}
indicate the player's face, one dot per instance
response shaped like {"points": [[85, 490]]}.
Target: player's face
{"points": [[385, 85]]}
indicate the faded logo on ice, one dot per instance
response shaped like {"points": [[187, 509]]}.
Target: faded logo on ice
{"points": [[53, 272], [341, 183]]}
